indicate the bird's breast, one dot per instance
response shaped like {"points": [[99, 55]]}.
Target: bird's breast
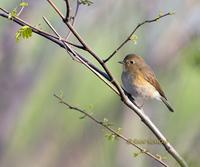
{"points": [[137, 86], [128, 83]]}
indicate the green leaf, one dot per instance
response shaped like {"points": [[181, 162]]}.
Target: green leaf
{"points": [[111, 136], [24, 32], [86, 2], [106, 122], [17, 36], [82, 117], [172, 13], [135, 154], [119, 130], [90, 107], [23, 4], [160, 14], [159, 156], [12, 14], [134, 38]]}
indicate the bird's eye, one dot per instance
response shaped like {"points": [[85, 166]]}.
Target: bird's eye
{"points": [[132, 62]]}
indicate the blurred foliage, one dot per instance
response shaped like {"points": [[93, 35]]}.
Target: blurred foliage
{"points": [[191, 55]]}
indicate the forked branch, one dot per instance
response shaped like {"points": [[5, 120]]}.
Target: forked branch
{"points": [[131, 34], [105, 75], [68, 10], [114, 132]]}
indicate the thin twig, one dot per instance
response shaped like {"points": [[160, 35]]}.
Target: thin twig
{"points": [[59, 36], [56, 9], [51, 27], [76, 11], [89, 50], [5, 11], [19, 13], [131, 34], [145, 119], [22, 8], [107, 78], [119, 135], [100, 74], [93, 68], [73, 18], [68, 10]]}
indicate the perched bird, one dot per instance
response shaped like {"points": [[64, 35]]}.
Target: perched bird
{"points": [[140, 81]]}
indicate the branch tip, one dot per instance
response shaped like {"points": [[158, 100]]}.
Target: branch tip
{"points": [[134, 30], [114, 134]]}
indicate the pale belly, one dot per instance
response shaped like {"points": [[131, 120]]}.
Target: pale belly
{"points": [[142, 90]]}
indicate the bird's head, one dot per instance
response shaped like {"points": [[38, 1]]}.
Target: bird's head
{"points": [[132, 63]]}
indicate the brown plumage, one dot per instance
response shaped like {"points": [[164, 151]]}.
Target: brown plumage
{"points": [[139, 79]]}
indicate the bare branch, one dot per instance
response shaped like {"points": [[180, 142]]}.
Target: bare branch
{"points": [[106, 77], [68, 10], [73, 18], [119, 135], [131, 34], [145, 119], [76, 11], [60, 38], [56, 9], [5, 11], [100, 74], [89, 50], [51, 27]]}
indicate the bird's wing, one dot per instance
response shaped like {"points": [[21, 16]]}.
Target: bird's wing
{"points": [[151, 78]]}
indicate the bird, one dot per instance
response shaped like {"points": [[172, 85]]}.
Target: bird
{"points": [[140, 81]]}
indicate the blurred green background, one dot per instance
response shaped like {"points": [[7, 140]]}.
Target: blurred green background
{"points": [[37, 131]]}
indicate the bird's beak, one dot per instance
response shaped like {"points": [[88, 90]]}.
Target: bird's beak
{"points": [[120, 62]]}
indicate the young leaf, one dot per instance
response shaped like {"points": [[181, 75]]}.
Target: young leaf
{"points": [[23, 4], [12, 14], [119, 130], [134, 38], [86, 2], [82, 117], [159, 156], [135, 154], [24, 32], [111, 136], [160, 14], [172, 13], [106, 122]]}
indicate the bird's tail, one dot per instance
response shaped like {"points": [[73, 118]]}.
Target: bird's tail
{"points": [[167, 104]]}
